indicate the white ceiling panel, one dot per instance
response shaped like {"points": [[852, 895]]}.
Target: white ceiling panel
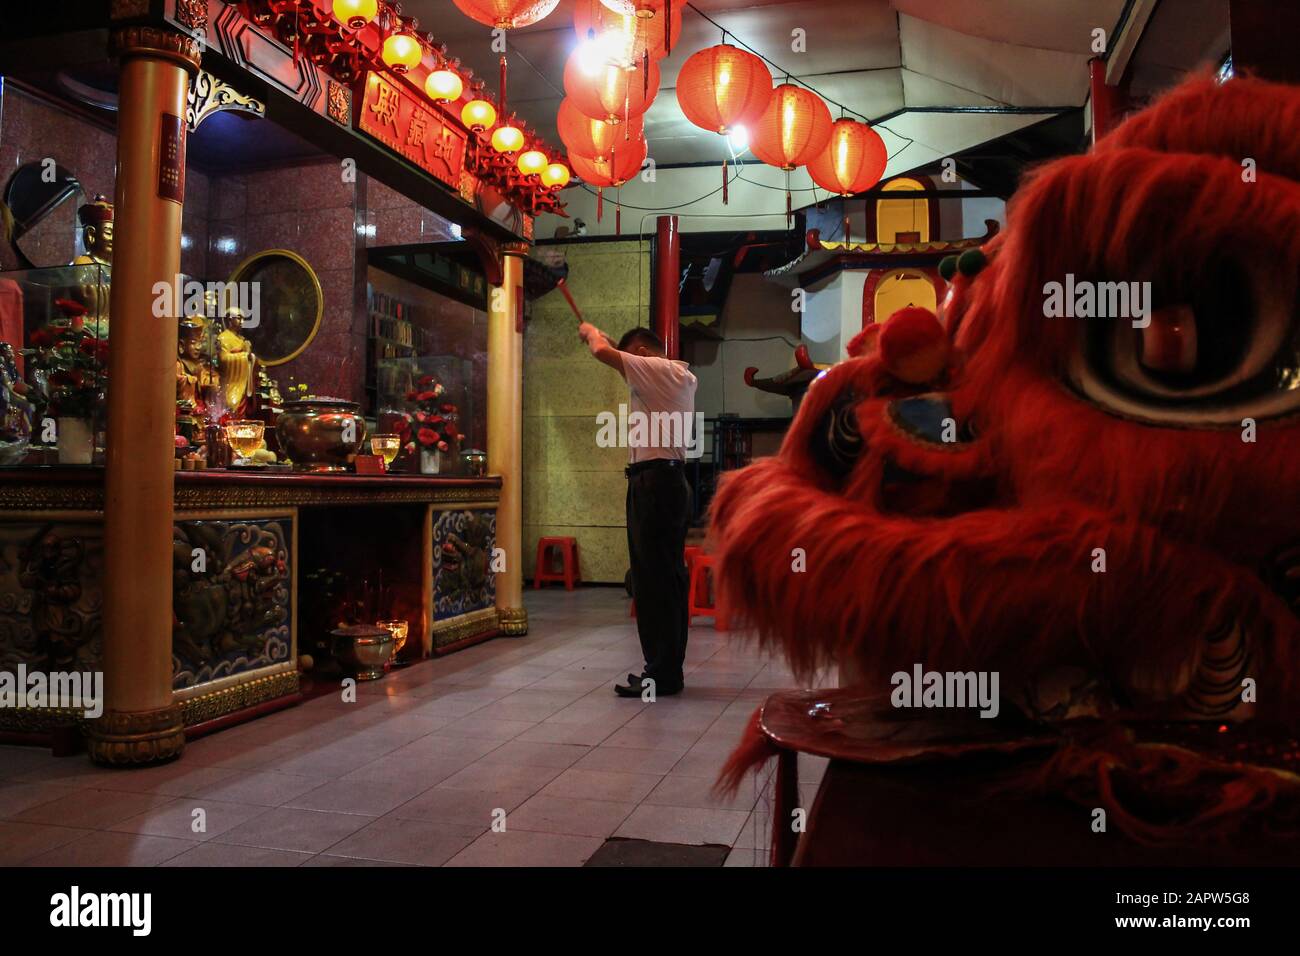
{"points": [[1063, 25], [1011, 75], [922, 90]]}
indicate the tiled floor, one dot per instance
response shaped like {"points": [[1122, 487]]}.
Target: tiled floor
{"points": [[525, 731]]}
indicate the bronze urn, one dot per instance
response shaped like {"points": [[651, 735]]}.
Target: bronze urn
{"points": [[320, 434]]}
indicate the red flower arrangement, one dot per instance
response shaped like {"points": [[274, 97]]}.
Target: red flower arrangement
{"points": [[431, 426], [74, 360]]}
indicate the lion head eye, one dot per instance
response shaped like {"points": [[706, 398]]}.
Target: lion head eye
{"points": [[1216, 346], [836, 442]]}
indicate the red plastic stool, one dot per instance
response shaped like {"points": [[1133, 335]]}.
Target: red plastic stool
{"points": [[702, 582], [568, 572]]}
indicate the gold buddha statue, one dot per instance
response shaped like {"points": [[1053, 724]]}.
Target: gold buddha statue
{"points": [[96, 219], [235, 363]]}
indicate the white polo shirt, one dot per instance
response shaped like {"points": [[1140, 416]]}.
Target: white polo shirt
{"points": [[663, 393]]}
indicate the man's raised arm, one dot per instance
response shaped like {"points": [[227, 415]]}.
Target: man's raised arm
{"points": [[601, 346]]}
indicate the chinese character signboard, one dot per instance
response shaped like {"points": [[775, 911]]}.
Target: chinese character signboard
{"points": [[417, 133]]}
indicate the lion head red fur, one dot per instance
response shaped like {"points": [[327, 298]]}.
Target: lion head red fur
{"points": [[1064, 451]]}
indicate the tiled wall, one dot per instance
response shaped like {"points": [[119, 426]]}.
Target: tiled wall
{"points": [[572, 487]]}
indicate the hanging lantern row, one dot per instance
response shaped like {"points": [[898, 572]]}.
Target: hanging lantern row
{"points": [[521, 163], [728, 90]]}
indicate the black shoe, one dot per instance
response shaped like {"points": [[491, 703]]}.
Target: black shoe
{"points": [[635, 687], [632, 688]]}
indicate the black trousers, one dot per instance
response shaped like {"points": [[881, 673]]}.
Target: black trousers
{"points": [[658, 511]]}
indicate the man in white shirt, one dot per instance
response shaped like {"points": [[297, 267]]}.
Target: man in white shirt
{"points": [[658, 498]]}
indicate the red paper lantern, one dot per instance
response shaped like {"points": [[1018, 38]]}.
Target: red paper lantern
{"points": [[632, 35], [610, 93], [852, 161], [793, 129], [506, 14], [722, 87], [593, 138], [623, 163]]}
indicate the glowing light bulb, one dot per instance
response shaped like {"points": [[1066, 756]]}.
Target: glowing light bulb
{"points": [[444, 85], [478, 115], [556, 174], [507, 139], [532, 162], [738, 138], [355, 13], [401, 52]]}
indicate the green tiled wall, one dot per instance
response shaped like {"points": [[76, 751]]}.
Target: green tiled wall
{"points": [[572, 487]]}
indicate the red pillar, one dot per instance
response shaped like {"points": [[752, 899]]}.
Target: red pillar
{"points": [[1107, 101], [668, 272]]}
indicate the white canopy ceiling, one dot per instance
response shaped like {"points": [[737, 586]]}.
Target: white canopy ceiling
{"points": [[896, 60]]}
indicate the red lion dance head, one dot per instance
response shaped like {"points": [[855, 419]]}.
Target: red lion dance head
{"points": [[1104, 510]]}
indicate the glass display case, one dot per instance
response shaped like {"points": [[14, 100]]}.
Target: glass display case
{"points": [[54, 340]]}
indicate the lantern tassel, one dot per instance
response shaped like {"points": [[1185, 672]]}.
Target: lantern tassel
{"points": [[502, 107], [846, 227], [668, 28], [600, 202], [618, 213], [645, 74], [724, 182], [787, 199]]}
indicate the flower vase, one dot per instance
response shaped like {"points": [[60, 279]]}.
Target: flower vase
{"points": [[75, 441], [430, 461]]}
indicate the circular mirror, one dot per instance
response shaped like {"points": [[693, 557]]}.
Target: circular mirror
{"points": [[45, 223], [288, 304]]}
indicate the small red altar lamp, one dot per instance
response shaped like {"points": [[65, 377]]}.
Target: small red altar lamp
{"points": [[624, 163], [794, 128], [592, 137], [532, 162], [723, 87], [401, 52], [444, 86], [852, 161], [506, 14], [478, 115], [507, 139], [555, 176], [355, 13], [609, 93]]}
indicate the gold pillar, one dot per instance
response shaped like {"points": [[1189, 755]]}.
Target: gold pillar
{"points": [[141, 724], [505, 432]]}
